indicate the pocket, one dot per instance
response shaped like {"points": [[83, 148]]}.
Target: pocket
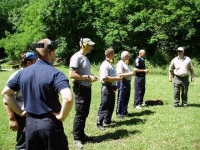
{"points": [[79, 105], [76, 87]]}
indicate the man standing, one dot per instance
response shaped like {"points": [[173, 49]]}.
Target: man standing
{"points": [[82, 81], [16, 122], [40, 84], [140, 73], [180, 67], [124, 86], [108, 79]]}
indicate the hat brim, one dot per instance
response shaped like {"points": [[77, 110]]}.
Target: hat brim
{"points": [[91, 43]]}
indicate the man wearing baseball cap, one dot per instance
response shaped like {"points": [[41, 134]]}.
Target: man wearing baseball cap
{"points": [[82, 77], [179, 68]]}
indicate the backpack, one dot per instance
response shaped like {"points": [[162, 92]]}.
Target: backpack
{"points": [[153, 102]]}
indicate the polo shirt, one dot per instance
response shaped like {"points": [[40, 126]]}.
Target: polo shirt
{"points": [[40, 84], [107, 69]]}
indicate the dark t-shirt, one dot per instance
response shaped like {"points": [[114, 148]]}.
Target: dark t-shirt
{"points": [[139, 64], [40, 84]]}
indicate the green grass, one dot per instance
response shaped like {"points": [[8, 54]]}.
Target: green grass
{"points": [[152, 128]]}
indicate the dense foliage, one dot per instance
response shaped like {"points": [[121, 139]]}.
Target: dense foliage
{"points": [[157, 26]]}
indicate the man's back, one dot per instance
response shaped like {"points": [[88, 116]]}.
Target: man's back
{"points": [[40, 84]]}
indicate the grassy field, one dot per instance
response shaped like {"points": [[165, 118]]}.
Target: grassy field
{"points": [[152, 128]]}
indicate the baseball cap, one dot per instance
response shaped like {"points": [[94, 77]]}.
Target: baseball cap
{"points": [[180, 49], [30, 55], [87, 41]]}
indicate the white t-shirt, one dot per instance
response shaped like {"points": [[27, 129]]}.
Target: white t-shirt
{"points": [[18, 94], [122, 67], [107, 69]]}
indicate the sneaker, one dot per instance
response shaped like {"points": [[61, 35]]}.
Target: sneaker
{"points": [[78, 144], [138, 107], [120, 116], [176, 105], [111, 123], [185, 105], [101, 127], [142, 105]]}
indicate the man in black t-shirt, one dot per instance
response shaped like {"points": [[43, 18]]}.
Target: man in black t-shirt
{"points": [[140, 72]]}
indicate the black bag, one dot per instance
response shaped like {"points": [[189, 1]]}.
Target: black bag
{"points": [[153, 102]]}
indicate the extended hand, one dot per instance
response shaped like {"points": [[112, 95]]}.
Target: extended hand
{"points": [[93, 78], [146, 71], [119, 77]]}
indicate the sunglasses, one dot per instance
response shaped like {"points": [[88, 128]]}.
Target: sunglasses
{"points": [[179, 51]]}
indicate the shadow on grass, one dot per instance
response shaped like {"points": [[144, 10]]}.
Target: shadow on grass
{"points": [[131, 122], [3, 70], [194, 105], [142, 113], [118, 134]]}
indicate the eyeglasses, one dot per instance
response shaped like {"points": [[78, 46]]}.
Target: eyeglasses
{"points": [[179, 51]]}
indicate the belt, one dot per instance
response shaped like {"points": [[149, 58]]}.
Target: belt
{"points": [[107, 83], [82, 86], [46, 115], [181, 76], [126, 81]]}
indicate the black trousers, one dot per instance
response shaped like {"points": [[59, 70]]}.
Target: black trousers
{"points": [[45, 132], [20, 145], [107, 104], [82, 106], [139, 86]]}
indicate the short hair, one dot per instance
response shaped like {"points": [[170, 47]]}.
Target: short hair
{"points": [[124, 54], [109, 51]]}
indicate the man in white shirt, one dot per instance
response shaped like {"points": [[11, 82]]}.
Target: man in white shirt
{"points": [[124, 86]]}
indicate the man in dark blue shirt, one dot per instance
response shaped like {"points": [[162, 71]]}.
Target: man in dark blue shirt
{"points": [[40, 85], [140, 73]]}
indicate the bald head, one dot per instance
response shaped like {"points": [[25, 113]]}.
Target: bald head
{"points": [[45, 53], [142, 53]]}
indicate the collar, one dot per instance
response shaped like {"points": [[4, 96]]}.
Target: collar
{"points": [[44, 62], [182, 58], [110, 61]]}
